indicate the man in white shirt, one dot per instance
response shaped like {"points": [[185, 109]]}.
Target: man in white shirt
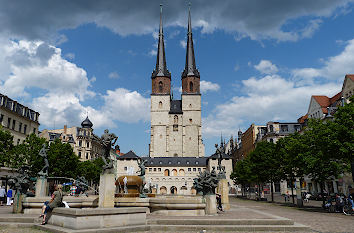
{"points": [[2, 195]]}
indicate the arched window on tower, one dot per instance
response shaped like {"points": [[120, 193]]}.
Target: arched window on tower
{"points": [[160, 86], [191, 86], [160, 104]]}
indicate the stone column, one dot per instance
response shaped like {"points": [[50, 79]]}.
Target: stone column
{"points": [[41, 187], [210, 201], [298, 193], [223, 189], [106, 190], [17, 205]]}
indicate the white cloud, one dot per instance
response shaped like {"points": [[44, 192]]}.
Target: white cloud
{"points": [[70, 56], [183, 43], [206, 86], [266, 67], [153, 52], [268, 98], [113, 75], [333, 68], [236, 67], [56, 88], [126, 106]]}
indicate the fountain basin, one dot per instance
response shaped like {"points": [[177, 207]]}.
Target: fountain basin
{"points": [[133, 184]]}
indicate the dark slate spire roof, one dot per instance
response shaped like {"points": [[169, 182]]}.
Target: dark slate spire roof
{"points": [[86, 123], [129, 155], [161, 68], [190, 68]]}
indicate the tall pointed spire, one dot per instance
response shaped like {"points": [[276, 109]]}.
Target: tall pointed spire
{"points": [[161, 68], [190, 68]]}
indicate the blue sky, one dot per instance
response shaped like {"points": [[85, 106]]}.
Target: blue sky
{"points": [[259, 60]]}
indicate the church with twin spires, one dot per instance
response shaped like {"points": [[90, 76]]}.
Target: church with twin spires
{"points": [[176, 127], [176, 149]]}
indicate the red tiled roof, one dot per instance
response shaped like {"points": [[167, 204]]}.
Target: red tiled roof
{"points": [[335, 98], [325, 102], [302, 119], [351, 76]]}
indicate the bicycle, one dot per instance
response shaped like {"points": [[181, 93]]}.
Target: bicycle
{"points": [[347, 208]]}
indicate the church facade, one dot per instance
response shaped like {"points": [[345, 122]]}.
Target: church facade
{"points": [[176, 150]]}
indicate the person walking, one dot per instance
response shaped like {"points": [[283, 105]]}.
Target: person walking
{"points": [[2, 195], [9, 197]]}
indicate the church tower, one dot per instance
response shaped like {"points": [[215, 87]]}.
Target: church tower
{"points": [[191, 102], [160, 100], [176, 124]]}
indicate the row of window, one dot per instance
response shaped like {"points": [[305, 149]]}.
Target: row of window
{"points": [[13, 125], [87, 144], [18, 108]]}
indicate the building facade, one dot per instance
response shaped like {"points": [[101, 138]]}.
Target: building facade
{"points": [[85, 143], [18, 119], [348, 88]]}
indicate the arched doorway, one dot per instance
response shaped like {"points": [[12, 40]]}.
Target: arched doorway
{"points": [[173, 190], [163, 190], [193, 191], [174, 172], [184, 190], [181, 172], [166, 172]]}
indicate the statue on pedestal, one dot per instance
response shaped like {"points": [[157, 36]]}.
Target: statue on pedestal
{"points": [[144, 189], [206, 182], [107, 143], [43, 152], [220, 150]]}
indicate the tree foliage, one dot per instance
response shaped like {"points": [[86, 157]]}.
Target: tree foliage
{"points": [[6, 147]]}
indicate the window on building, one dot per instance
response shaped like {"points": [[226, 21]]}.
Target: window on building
{"points": [[191, 86], [175, 128], [160, 104], [18, 141], [284, 128], [271, 128], [80, 143], [8, 122], [194, 169], [84, 132], [79, 154], [25, 129], [13, 124], [150, 169], [174, 172], [1, 118], [175, 119], [190, 120], [189, 169], [159, 169], [88, 144], [20, 127], [34, 130], [155, 169], [199, 169], [160, 86], [166, 172], [87, 156], [271, 140], [125, 168], [187, 162], [181, 172]]}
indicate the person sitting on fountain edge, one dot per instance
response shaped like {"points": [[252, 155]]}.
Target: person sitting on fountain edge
{"points": [[55, 201]]}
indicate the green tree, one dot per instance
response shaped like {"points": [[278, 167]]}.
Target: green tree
{"points": [[344, 133], [242, 174], [321, 153], [6, 147], [27, 153], [264, 164], [291, 152], [91, 170], [63, 162]]}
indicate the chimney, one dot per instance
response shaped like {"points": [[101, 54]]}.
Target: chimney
{"points": [[65, 128]]}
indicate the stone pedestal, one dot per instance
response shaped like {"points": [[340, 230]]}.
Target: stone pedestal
{"points": [[97, 218], [106, 190], [41, 187], [210, 201], [223, 189], [17, 205]]}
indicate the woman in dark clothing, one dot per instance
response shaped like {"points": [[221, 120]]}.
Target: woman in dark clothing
{"points": [[55, 201]]}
